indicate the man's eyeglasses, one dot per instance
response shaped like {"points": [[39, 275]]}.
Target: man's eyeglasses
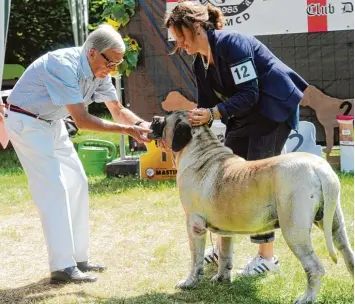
{"points": [[111, 64]]}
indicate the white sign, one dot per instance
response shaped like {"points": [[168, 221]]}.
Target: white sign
{"points": [[304, 140], [267, 17], [243, 71]]}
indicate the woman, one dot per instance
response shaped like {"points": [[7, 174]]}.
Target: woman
{"points": [[242, 83]]}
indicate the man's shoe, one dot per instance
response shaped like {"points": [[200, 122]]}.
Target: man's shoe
{"points": [[71, 275], [87, 266]]}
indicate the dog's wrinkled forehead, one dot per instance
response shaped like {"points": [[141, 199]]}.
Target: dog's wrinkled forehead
{"points": [[174, 117]]}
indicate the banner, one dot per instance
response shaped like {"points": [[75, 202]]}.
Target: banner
{"points": [[268, 17]]}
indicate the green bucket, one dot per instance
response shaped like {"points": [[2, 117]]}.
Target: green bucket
{"points": [[95, 154]]}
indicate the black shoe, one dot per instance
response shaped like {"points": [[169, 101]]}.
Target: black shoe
{"points": [[87, 266], [71, 275]]}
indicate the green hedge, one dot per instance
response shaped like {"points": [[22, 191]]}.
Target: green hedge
{"points": [[39, 26], [36, 27]]}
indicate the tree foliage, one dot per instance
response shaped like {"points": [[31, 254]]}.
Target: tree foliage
{"points": [[120, 11], [36, 27], [117, 13], [39, 26]]}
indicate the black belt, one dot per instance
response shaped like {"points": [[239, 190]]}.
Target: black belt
{"points": [[22, 111]]}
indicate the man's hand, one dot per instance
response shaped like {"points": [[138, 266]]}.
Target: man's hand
{"points": [[145, 124], [138, 133]]}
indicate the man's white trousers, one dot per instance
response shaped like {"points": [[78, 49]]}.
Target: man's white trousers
{"points": [[58, 185]]}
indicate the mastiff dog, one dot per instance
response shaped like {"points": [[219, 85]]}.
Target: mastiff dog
{"points": [[227, 195]]}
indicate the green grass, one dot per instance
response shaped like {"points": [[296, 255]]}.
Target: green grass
{"points": [[137, 228]]}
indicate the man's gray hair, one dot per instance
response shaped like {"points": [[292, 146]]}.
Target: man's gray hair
{"points": [[103, 38]]}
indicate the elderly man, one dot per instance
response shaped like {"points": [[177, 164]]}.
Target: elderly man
{"points": [[57, 84]]}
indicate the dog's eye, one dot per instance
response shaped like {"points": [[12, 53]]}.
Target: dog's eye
{"points": [[177, 122]]}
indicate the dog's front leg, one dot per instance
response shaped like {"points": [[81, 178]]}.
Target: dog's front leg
{"points": [[196, 228], [225, 260]]}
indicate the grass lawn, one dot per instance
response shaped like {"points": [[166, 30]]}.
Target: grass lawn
{"points": [[138, 231]]}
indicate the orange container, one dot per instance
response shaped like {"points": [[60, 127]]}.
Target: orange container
{"points": [[346, 140]]}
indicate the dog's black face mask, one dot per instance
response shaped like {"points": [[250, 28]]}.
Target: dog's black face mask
{"points": [[157, 126], [181, 130]]}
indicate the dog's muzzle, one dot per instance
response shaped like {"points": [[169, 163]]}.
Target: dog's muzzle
{"points": [[157, 126]]}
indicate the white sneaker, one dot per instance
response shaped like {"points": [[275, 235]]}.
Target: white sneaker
{"points": [[259, 265], [211, 255]]}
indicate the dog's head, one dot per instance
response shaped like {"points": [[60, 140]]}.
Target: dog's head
{"points": [[174, 130]]}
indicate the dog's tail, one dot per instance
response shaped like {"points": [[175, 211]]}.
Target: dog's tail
{"points": [[331, 197]]}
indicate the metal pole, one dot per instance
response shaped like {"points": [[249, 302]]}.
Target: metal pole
{"points": [[74, 20], [118, 85]]}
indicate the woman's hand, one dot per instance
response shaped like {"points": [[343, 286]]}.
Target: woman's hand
{"points": [[198, 117]]}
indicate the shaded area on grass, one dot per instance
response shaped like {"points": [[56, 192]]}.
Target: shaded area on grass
{"points": [[242, 290], [9, 162], [105, 185], [32, 292]]}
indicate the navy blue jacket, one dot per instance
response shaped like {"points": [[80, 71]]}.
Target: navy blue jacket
{"points": [[247, 77]]}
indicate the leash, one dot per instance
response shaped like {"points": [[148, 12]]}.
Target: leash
{"points": [[213, 252]]}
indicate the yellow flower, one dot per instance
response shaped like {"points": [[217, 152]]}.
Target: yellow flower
{"points": [[133, 42], [134, 47], [113, 73], [113, 23]]}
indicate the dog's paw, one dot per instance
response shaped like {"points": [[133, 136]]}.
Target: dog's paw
{"points": [[188, 283], [221, 278], [305, 300]]}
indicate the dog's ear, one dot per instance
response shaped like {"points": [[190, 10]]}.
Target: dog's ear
{"points": [[182, 136]]}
